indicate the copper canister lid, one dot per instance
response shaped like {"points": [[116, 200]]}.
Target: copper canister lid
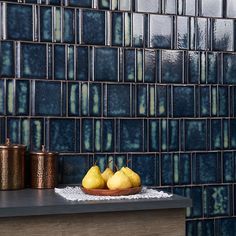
{"points": [[44, 152], [9, 145]]}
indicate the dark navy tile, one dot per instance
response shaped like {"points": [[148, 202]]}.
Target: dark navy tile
{"points": [[97, 135], [95, 99], [74, 169], [173, 137], [212, 67], [154, 140], [223, 100], [7, 62], [153, 6], [217, 200], [82, 63], [144, 165], [141, 100], [104, 4], [170, 6], [117, 29], [193, 67], [226, 226], [93, 27], [108, 136], [161, 101], [202, 27], [62, 135], [46, 24], [212, 8], [205, 227], [10, 96], [118, 100], [183, 101], [164, 136], [197, 206], [195, 135], [216, 134], [231, 8], [47, 97], [80, 3], [59, 62], [77, 133], [22, 97], [138, 29], [87, 135], [37, 134], [149, 66], [2, 97], [223, 42], [172, 66], [184, 167], [206, 168], [228, 167], [14, 130], [84, 99], [106, 64], [131, 135], [73, 99], [229, 63], [55, 2], [190, 7], [70, 63], [33, 61], [129, 65], [18, 29], [191, 228], [232, 133], [69, 28], [182, 32], [160, 34], [167, 170], [204, 95], [25, 132], [2, 130]]}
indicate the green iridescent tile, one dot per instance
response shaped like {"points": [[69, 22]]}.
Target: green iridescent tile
{"points": [[70, 63], [97, 135], [84, 100], [73, 99]]}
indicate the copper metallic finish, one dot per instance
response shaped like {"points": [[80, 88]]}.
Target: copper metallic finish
{"points": [[43, 169], [12, 166]]}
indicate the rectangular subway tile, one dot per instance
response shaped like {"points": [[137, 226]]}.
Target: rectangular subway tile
{"points": [[10, 97], [142, 108], [129, 65], [166, 169], [81, 3], [87, 134], [2, 97], [138, 29], [84, 99], [69, 27], [223, 100], [70, 62], [150, 64], [46, 24], [169, 6], [152, 100], [216, 134], [204, 97], [104, 4], [202, 26], [95, 100], [173, 135], [127, 29], [14, 129], [212, 67], [73, 99], [193, 67], [154, 135], [82, 60], [229, 68], [182, 37], [231, 9], [59, 62], [57, 24], [228, 167], [161, 101], [153, 6], [211, 8], [232, 133], [190, 7], [108, 141], [97, 135], [37, 134], [139, 65], [117, 29], [22, 97], [184, 167]]}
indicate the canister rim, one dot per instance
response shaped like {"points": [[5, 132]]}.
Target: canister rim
{"points": [[12, 146], [44, 153]]}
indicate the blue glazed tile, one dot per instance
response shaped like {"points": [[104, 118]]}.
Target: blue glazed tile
{"points": [[80, 3], [223, 42], [212, 68], [205, 167], [172, 64], [47, 97], [82, 63], [202, 25], [154, 140], [232, 133], [141, 100], [59, 62], [10, 97], [229, 63], [118, 100], [164, 135], [108, 135], [217, 200], [57, 24], [77, 133], [226, 133], [73, 99], [77, 27], [18, 29], [138, 29], [183, 101], [204, 101], [2, 97], [131, 135], [167, 170], [149, 66], [190, 7], [152, 100], [170, 6], [127, 29], [101, 161], [2, 130], [228, 167], [93, 27], [173, 138], [226, 227], [95, 99], [145, 165], [69, 19], [55, 2], [117, 29], [197, 207], [46, 24], [33, 61], [212, 8], [223, 101], [14, 130], [25, 132], [205, 227], [22, 97], [120, 161], [182, 32], [106, 64], [70, 63], [62, 135], [191, 228], [195, 135], [104, 4], [84, 97], [214, 101], [184, 168], [231, 8], [97, 135], [193, 67], [87, 135], [161, 28], [74, 169], [216, 134], [153, 6], [7, 65], [129, 65], [37, 134], [161, 101], [139, 65]]}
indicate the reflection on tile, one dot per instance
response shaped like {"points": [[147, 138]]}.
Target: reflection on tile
{"points": [[138, 29], [87, 135], [184, 168], [202, 25], [10, 97], [194, 67], [212, 8], [81, 3], [152, 100], [223, 31], [144, 165], [104, 4], [214, 101], [59, 62], [129, 65], [118, 100], [57, 24], [25, 132], [204, 101], [37, 134], [61, 135], [231, 8], [154, 142], [46, 24], [153, 6], [139, 65], [127, 29], [93, 27], [2, 97], [84, 97], [106, 64], [73, 99], [228, 167], [108, 135], [226, 226], [141, 100], [205, 227], [182, 32], [82, 63], [131, 135], [170, 6], [216, 134], [149, 66], [70, 63], [125, 5], [69, 19], [33, 61], [14, 130], [232, 133], [223, 101], [173, 138], [95, 99], [160, 34], [229, 61], [166, 169], [212, 68], [164, 135], [117, 29], [22, 97], [190, 7], [18, 29], [97, 135], [161, 100]]}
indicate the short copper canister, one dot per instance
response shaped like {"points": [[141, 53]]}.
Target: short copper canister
{"points": [[43, 167], [12, 166]]}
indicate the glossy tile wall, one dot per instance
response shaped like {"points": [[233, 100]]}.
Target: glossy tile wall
{"points": [[152, 81]]}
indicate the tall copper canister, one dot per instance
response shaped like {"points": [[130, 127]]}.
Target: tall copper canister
{"points": [[43, 167], [12, 166]]}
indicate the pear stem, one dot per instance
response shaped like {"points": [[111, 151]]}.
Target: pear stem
{"points": [[128, 162], [95, 163], [109, 163], [116, 167]]}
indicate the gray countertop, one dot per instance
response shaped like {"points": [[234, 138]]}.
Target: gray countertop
{"points": [[28, 202]]}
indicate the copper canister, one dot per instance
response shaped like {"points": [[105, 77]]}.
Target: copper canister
{"points": [[43, 167], [12, 166]]}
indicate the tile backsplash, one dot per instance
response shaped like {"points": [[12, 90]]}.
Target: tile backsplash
{"points": [[151, 81]]}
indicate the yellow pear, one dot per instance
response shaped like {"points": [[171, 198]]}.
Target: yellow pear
{"points": [[107, 174], [133, 176], [119, 181], [93, 178]]}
